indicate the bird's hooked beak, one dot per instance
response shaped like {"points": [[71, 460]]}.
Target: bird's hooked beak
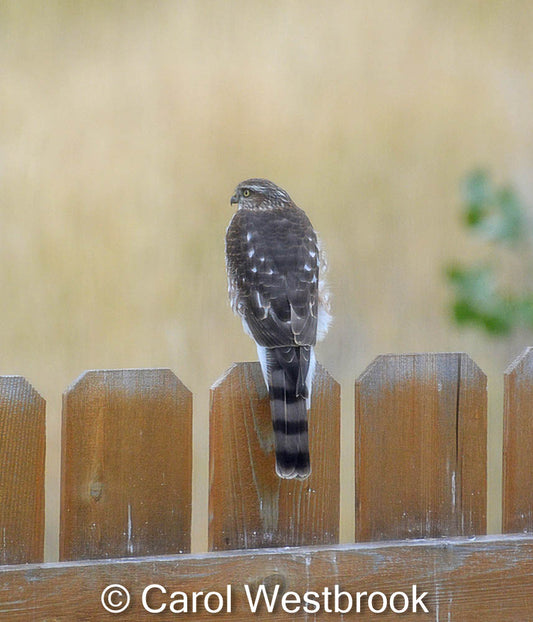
{"points": [[234, 199]]}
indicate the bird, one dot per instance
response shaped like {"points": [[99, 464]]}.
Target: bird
{"points": [[276, 284]]}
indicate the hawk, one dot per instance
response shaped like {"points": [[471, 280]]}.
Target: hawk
{"points": [[274, 267]]}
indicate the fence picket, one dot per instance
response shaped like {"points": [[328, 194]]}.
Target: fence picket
{"points": [[126, 465], [22, 456], [249, 505], [421, 447], [517, 511]]}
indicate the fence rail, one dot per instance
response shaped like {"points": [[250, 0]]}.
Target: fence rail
{"points": [[466, 580], [126, 485]]}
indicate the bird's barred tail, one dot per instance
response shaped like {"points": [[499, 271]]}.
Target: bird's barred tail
{"points": [[287, 373]]}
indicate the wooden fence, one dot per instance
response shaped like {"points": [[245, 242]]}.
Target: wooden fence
{"points": [[420, 499]]}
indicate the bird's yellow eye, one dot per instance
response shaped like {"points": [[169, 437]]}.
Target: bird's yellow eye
{"points": [[246, 192]]}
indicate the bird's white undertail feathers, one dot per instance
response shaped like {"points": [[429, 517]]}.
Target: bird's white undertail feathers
{"points": [[324, 318]]}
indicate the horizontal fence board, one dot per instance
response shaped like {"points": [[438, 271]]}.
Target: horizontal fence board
{"points": [[517, 514], [466, 579], [420, 448], [126, 465], [22, 460], [249, 505]]}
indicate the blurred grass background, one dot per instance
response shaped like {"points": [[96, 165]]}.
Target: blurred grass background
{"points": [[125, 127]]}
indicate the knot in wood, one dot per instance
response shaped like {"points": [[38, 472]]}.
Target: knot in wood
{"points": [[270, 582], [96, 489]]}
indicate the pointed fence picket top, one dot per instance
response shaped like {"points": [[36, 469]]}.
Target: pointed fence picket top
{"points": [[420, 449], [126, 465], [249, 505], [517, 511], [22, 458]]}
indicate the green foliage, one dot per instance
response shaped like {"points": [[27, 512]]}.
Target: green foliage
{"points": [[494, 213], [497, 216]]}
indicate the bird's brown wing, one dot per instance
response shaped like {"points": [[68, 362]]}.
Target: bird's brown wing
{"points": [[272, 260]]}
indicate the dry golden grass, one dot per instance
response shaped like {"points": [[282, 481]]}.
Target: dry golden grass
{"points": [[126, 125]]}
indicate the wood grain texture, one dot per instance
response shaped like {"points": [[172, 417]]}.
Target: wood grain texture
{"points": [[22, 458], [421, 434], [249, 505], [466, 580], [518, 445], [126, 465]]}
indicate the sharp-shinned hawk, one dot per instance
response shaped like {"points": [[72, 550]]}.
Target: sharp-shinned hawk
{"points": [[274, 269]]}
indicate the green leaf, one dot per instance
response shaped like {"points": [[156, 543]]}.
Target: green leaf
{"points": [[476, 188], [513, 218], [477, 300], [496, 214]]}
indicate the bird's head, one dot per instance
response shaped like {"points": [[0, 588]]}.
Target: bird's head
{"points": [[259, 194]]}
